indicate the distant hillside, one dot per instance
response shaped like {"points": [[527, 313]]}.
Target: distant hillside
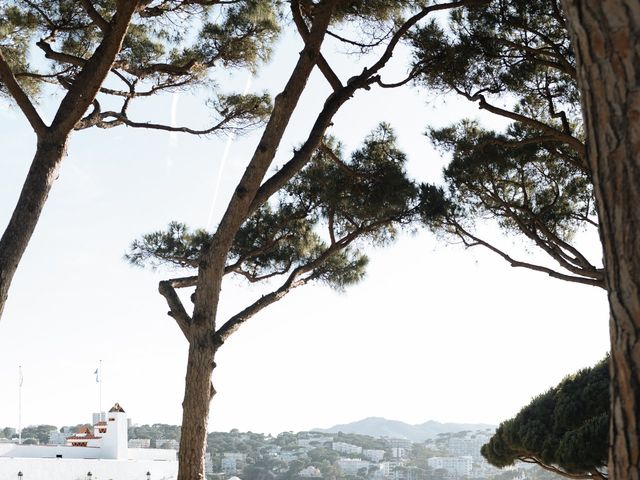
{"points": [[381, 427]]}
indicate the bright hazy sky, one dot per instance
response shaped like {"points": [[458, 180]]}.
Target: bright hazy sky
{"points": [[433, 332]]}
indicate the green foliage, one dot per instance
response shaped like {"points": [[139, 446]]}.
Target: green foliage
{"points": [[514, 58], [520, 185], [364, 198], [564, 427], [170, 44], [176, 246], [156, 433], [372, 10], [38, 432], [517, 48], [16, 29], [364, 441]]}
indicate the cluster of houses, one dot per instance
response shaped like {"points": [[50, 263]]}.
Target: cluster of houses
{"points": [[462, 459]]}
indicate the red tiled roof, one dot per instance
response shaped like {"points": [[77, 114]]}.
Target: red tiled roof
{"points": [[83, 434]]}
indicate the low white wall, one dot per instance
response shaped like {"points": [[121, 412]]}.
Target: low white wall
{"points": [[165, 454], [50, 451], [77, 469]]}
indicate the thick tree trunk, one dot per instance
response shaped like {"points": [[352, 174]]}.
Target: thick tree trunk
{"points": [[606, 36], [195, 410], [14, 241]]}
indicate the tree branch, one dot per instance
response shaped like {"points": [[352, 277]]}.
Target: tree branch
{"points": [[336, 100], [323, 65], [559, 471], [292, 281], [176, 309], [21, 98], [101, 23], [101, 121], [88, 82], [570, 140], [462, 233]]}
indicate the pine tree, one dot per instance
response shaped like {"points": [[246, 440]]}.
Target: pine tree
{"points": [[564, 430], [364, 198], [145, 48]]}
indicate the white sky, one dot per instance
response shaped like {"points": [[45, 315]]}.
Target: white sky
{"points": [[433, 332]]}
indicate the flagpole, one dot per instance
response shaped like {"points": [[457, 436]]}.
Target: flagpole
{"points": [[100, 381], [19, 404]]}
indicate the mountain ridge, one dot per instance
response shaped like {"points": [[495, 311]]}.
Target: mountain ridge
{"points": [[382, 427]]}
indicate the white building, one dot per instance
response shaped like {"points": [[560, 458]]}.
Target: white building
{"points": [[350, 466], [103, 451], [455, 466], [373, 455], [463, 446], [232, 462], [399, 452], [346, 448]]}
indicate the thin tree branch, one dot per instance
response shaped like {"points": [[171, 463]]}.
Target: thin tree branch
{"points": [[556, 470], [462, 233], [21, 98], [100, 22], [176, 309], [569, 140], [292, 281], [336, 100]]}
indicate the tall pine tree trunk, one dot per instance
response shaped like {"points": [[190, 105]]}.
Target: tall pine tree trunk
{"points": [[195, 409], [606, 39], [42, 173]]}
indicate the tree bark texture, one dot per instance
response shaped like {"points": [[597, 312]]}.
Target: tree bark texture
{"points": [[198, 388], [606, 39], [195, 410], [14, 241]]}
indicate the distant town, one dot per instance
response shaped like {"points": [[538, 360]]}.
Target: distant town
{"points": [[307, 455]]}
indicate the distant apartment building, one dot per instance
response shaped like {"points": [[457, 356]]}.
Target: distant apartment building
{"points": [[388, 468], [455, 466], [399, 442], [346, 448], [373, 455], [458, 446], [229, 466], [232, 462], [399, 452], [139, 443], [351, 466]]}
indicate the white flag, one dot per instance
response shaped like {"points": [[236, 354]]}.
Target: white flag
{"points": [[20, 378], [97, 374]]}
